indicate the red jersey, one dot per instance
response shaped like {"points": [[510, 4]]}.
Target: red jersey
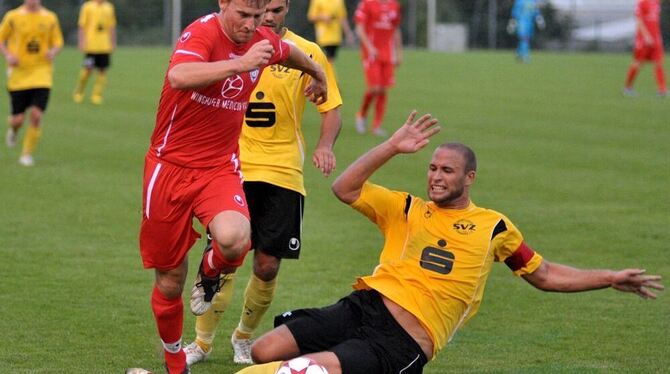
{"points": [[201, 127], [649, 12], [379, 19]]}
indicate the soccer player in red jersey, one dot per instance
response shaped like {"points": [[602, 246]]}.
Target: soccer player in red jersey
{"points": [[378, 28], [648, 45], [192, 165]]}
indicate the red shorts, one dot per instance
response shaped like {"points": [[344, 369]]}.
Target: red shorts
{"points": [[379, 73], [645, 52], [172, 196]]}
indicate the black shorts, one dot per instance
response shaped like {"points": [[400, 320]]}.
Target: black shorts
{"points": [[361, 332], [330, 51], [97, 60], [276, 219], [23, 99]]}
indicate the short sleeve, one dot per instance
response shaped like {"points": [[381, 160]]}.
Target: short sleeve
{"points": [[83, 16], [380, 204], [56, 34], [334, 96], [112, 21], [641, 8], [5, 27], [194, 45], [361, 16], [312, 11], [509, 247]]}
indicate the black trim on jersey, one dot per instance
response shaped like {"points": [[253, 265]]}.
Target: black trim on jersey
{"points": [[500, 227], [408, 203]]}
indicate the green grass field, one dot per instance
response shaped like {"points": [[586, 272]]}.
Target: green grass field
{"points": [[583, 172]]}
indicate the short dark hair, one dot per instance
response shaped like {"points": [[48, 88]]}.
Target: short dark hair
{"points": [[465, 151]]}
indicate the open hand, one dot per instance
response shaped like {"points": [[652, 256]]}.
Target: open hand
{"points": [[414, 135], [634, 280]]}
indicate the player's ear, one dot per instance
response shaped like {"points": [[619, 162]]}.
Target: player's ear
{"points": [[223, 4]]}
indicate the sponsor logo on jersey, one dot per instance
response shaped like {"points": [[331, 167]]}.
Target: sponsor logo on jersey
{"points": [[185, 36], [464, 227], [239, 200]]}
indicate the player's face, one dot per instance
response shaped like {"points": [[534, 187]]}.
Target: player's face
{"points": [[240, 18], [448, 183], [275, 15]]}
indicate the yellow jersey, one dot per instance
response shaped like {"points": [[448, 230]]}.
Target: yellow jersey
{"points": [[97, 20], [272, 146], [328, 33], [435, 261], [29, 36]]}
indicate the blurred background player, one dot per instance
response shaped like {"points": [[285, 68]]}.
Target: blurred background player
{"points": [[525, 14], [30, 39], [330, 20], [272, 157], [432, 271], [378, 29], [648, 45], [192, 165], [97, 39]]}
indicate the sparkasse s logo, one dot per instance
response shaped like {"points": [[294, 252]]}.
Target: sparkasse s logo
{"points": [[464, 227]]}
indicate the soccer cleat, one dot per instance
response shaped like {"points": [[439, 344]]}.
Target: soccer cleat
{"points": [[662, 94], [629, 92], [241, 350], [10, 137], [361, 124], [78, 98], [26, 160], [138, 371], [204, 288], [96, 99], [195, 354], [380, 132]]}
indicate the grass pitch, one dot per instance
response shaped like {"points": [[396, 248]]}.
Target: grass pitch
{"points": [[583, 172]]}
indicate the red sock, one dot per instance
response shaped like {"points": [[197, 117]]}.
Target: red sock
{"points": [[367, 100], [380, 109], [660, 78], [213, 261], [169, 315], [632, 72]]}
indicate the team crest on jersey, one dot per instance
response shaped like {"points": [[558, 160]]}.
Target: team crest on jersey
{"points": [[464, 227], [254, 75], [232, 87]]}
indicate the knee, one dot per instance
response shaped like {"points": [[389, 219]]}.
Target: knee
{"points": [[35, 116], [267, 269], [170, 288], [234, 242], [16, 120]]}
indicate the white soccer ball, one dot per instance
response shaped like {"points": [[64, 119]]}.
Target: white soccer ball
{"points": [[301, 365]]}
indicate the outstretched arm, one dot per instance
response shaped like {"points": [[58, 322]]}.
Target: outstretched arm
{"points": [[409, 138], [561, 278]]}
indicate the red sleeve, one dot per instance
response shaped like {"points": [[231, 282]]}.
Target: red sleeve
{"points": [[282, 49], [194, 44], [520, 257], [360, 16], [398, 19], [641, 9]]}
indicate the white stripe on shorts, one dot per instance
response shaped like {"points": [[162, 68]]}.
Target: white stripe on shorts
{"points": [[150, 189]]}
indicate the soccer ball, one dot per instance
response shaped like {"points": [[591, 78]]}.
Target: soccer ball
{"points": [[301, 365]]}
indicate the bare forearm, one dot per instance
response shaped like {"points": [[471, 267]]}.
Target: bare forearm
{"points": [[331, 123], [561, 278], [299, 60], [360, 33], [191, 75], [347, 187]]}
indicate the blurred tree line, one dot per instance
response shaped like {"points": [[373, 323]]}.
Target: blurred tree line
{"points": [[147, 22]]}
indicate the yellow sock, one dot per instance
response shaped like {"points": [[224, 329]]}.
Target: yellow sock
{"points": [[257, 299], [31, 139], [205, 325], [81, 82], [99, 85], [269, 368]]}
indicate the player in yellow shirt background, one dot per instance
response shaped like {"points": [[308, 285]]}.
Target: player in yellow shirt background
{"points": [[272, 153], [97, 39], [30, 39], [432, 270], [330, 20]]}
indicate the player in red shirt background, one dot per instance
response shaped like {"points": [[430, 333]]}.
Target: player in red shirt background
{"points": [[378, 28], [648, 45], [192, 165]]}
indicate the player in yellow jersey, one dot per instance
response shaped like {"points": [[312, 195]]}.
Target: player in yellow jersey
{"points": [[330, 20], [30, 39], [272, 153], [97, 39], [432, 270]]}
